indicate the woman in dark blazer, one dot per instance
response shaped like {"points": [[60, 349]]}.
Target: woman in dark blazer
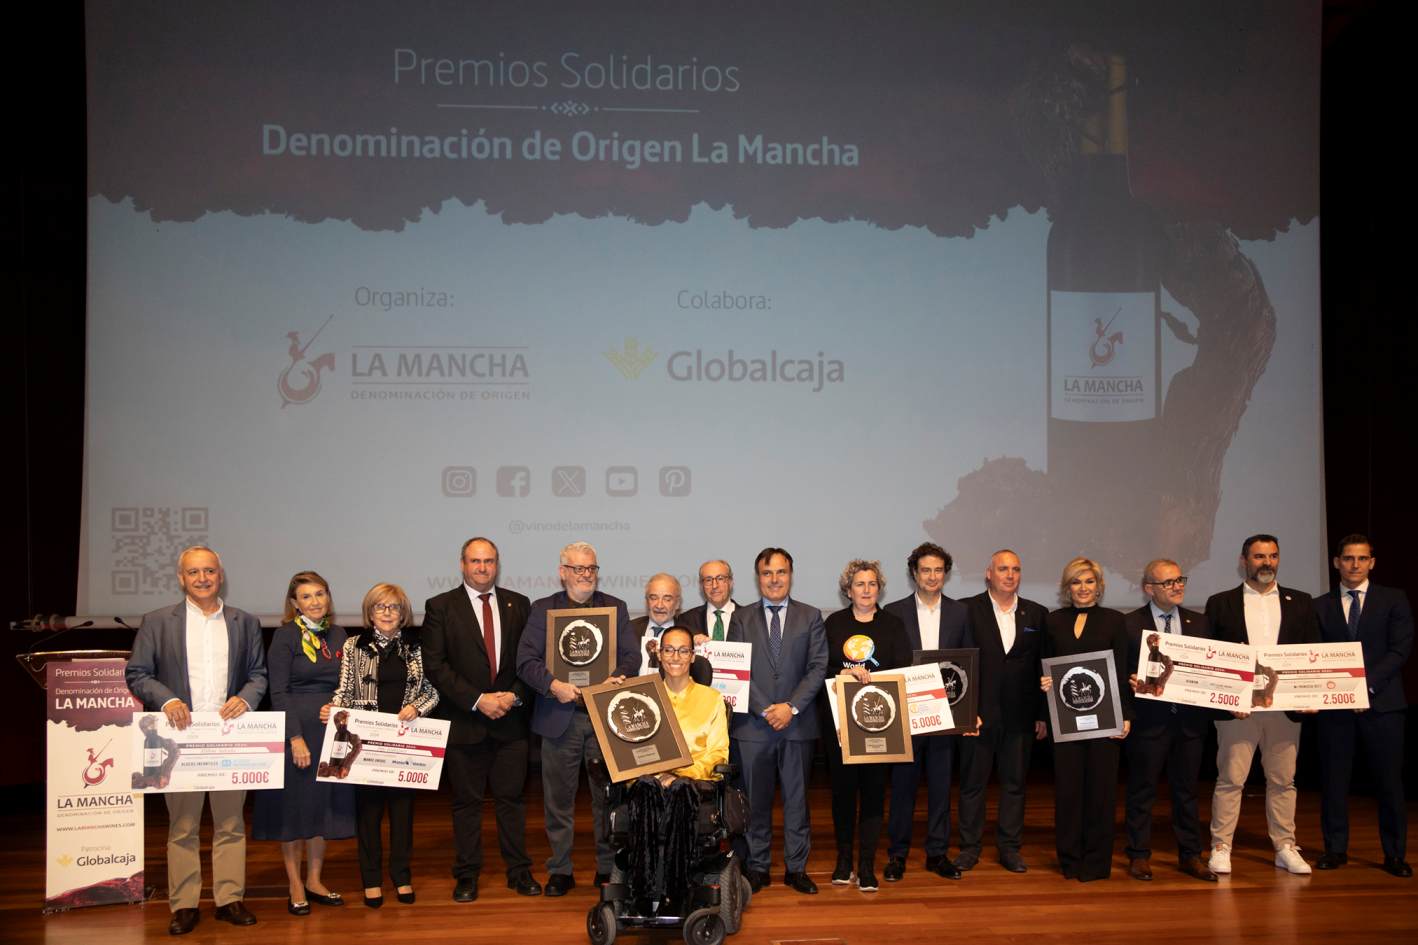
{"points": [[304, 666], [860, 638], [1086, 772], [382, 671]]}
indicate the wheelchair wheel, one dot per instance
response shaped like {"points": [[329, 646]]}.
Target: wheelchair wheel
{"points": [[704, 927], [746, 891], [600, 924], [731, 902]]}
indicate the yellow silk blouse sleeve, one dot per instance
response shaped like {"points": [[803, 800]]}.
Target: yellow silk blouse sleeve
{"points": [[702, 718]]}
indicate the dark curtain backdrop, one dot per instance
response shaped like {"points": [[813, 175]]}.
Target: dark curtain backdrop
{"points": [[1367, 333]]}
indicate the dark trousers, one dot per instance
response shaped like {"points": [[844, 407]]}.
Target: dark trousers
{"points": [[1148, 753], [853, 785], [501, 768], [1382, 736], [766, 765], [934, 755], [370, 803], [1085, 797], [1009, 751]]}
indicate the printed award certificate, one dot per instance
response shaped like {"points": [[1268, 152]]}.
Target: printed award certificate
{"points": [[378, 748], [1310, 676], [211, 754], [731, 663], [1195, 671]]}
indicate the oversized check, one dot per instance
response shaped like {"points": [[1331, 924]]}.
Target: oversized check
{"points": [[211, 754], [1310, 676], [731, 663], [1173, 667], [378, 748], [927, 700]]}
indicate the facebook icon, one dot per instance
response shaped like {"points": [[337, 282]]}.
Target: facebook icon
{"points": [[513, 481]]}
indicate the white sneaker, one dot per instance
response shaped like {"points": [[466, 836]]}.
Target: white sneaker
{"points": [[1289, 859], [1220, 861]]}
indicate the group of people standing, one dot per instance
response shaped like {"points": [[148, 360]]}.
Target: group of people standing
{"points": [[480, 658]]}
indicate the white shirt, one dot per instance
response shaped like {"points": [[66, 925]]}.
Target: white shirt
{"points": [[1005, 619], [1262, 614], [1158, 614], [929, 620], [728, 611], [475, 598], [207, 647], [1345, 600], [652, 631]]}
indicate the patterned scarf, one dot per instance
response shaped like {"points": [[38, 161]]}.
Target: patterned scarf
{"points": [[312, 637]]}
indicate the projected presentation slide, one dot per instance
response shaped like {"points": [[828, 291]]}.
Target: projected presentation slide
{"points": [[685, 281]]}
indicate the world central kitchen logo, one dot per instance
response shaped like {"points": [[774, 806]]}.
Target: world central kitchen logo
{"points": [[700, 366]]}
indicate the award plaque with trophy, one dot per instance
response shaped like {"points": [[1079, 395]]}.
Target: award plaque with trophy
{"points": [[581, 644], [1084, 701], [957, 671], [636, 727], [875, 726]]}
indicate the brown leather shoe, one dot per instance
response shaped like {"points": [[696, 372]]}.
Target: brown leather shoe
{"points": [[1140, 869], [183, 921], [236, 913], [1195, 868]]}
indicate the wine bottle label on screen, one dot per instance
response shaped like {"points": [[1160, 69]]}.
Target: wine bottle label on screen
{"points": [[1103, 356]]}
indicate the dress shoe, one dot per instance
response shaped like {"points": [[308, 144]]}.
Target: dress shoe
{"points": [[559, 884], [466, 890], [236, 913], [866, 878], [297, 908], [524, 884], [183, 921], [757, 879], [842, 874], [1140, 869], [374, 902], [895, 869], [407, 898], [330, 899], [800, 882], [1193, 867], [1331, 861], [1220, 861], [601, 879], [941, 866], [967, 859], [1396, 867], [1012, 861]]}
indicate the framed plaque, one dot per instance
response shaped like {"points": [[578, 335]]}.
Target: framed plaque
{"points": [[636, 727], [958, 670], [581, 644], [1084, 701], [876, 724]]}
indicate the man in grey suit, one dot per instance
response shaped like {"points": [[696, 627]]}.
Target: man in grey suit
{"points": [[933, 622], [201, 656], [775, 735]]}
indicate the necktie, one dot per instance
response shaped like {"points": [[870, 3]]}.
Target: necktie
{"points": [[718, 625], [489, 636], [1166, 623], [775, 633], [1353, 615]]}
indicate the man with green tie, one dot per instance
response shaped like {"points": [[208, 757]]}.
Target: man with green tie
{"points": [[710, 620]]}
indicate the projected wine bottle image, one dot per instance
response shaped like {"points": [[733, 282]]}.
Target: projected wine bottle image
{"points": [[1104, 327]]}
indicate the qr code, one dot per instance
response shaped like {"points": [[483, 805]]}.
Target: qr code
{"points": [[146, 543]]}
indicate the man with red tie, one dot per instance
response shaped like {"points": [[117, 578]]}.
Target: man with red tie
{"points": [[470, 638]]}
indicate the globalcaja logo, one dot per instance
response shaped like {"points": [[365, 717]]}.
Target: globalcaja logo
{"points": [[299, 383], [1104, 345], [631, 360], [98, 767]]}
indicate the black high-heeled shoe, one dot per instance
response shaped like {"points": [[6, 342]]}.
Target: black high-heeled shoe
{"points": [[407, 898], [374, 902], [333, 899], [297, 908]]}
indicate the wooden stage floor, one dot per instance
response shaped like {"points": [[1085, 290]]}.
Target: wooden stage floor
{"points": [[1258, 903]]}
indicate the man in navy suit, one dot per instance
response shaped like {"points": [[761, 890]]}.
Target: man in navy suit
{"points": [[470, 637], [201, 656], [1259, 613], [1380, 619], [559, 716], [1164, 734], [933, 622], [1008, 630], [776, 734]]}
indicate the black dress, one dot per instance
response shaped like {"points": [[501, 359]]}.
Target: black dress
{"points": [[1086, 772], [305, 808], [865, 781]]}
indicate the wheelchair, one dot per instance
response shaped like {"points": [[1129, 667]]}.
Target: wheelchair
{"points": [[709, 904]]}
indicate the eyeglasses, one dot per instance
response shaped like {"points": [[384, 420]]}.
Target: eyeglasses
{"points": [[683, 652], [581, 570], [387, 608], [1170, 584], [715, 579]]}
